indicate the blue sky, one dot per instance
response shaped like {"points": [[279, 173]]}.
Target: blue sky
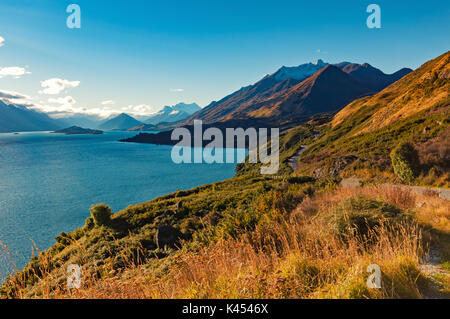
{"points": [[146, 54]]}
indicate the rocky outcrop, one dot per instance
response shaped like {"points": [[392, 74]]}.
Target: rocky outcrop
{"points": [[338, 165], [212, 218]]}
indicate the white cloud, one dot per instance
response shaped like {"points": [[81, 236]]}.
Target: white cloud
{"points": [[65, 101], [67, 109], [108, 102], [2, 41], [139, 110], [14, 71], [60, 107], [176, 90], [55, 86], [15, 98], [12, 95]]}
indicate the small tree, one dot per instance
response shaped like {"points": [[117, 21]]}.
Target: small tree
{"points": [[101, 213], [405, 161]]}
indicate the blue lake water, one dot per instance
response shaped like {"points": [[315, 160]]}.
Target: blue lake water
{"points": [[49, 181]]}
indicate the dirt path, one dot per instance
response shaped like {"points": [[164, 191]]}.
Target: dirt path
{"points": [[293, 161], [430, 267], [354, 181], [443, 192]]}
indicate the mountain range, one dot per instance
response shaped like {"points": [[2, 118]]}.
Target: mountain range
{"points": [[173, 113], [18, 118], [360, 137], [291, 94], [120, 122]]}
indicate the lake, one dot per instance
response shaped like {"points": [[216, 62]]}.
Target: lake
{"points": [[49, 181]]}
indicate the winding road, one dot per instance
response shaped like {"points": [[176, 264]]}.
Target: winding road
{"points": [[293, 161], [444, 193]]}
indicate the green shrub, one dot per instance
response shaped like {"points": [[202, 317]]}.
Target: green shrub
{"points": [[63, 239], [405, 161], [101, 213], [89, 223]]}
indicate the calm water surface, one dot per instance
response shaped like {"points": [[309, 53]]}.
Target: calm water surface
{"points": [[49, 181]]}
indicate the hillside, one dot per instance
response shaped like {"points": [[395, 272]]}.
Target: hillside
{"points": [[361, 136], [251, 237], [325, 91], [120, 122], [17, 118], [76, 130], [144, 128]]}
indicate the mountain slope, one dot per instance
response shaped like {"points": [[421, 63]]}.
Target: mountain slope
{"points": [[262, 99], [17, 118], [326, 91], [288, 100], [76, 130], [120, 122], [373, 77], [361, 136], [417, 91]]}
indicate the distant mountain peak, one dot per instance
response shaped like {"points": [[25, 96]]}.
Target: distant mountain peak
{"points": [[291, 93], [124, 115], [173, 113], [300, 72], [371, 76], [320, 63], [122, 121]]}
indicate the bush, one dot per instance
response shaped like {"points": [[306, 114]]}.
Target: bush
{"points": [[63, 239], [89, 223], [405, 161], [101, 213]]}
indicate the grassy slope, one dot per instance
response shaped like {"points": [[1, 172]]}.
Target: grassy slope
{"points": [[234, 202], [416, 108], [250, 237]]}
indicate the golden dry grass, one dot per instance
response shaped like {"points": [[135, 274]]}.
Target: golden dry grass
{"points": [[298, 256], [405, 97]]}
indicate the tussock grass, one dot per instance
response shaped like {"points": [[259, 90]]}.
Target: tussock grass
{"points": [[320, 249]]}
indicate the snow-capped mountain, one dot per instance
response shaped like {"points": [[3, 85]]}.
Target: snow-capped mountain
{"points": [[293, 93], [173, 113], [300, 72]]}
